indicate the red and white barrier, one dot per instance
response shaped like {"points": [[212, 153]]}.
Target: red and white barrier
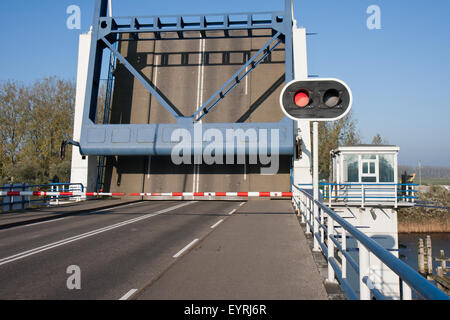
{"points": [[214, 194], [56, 193], [167, 194]]}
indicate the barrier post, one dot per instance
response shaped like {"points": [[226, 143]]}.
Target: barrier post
{"points": [[406, 291], [344, 249], [330, 244], [364, 267], [362, 195], [308, 216], [330, 192], [322, 222], [315, 184]]}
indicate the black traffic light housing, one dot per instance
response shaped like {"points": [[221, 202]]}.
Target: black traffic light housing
{"points": [[316, 99]]}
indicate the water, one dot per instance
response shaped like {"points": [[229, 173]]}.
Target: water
{"points": [[408, 247]]}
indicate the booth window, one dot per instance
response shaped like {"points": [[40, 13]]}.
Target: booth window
{"points": [[369, 168], [351, 169], [386, 164]]}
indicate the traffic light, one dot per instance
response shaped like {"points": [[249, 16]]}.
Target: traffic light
{"points": [[316, 99]]}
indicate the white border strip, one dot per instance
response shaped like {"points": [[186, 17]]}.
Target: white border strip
{"points": [[179, 253], [217, 223], [128, 294]]}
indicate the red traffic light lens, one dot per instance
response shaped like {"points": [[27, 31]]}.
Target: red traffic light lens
{"points": [[301, 98]]}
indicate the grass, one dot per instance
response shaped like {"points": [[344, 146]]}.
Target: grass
{"points": [[423, 219], [433, 181]]}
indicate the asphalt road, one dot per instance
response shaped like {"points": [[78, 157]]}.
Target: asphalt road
{"points": [[118, 251], [162, 250]]}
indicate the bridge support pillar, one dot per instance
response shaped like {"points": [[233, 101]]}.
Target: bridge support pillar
{"points": [[380, 224], [83, 168]]}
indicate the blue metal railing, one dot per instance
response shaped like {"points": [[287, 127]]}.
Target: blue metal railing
{"points": [[367, 193], [314, 213], [10, 202]]}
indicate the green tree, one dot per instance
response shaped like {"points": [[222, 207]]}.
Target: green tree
{"points": [[52, 109], [342, 132], [14, 115], [33, 122], [378, 140]]}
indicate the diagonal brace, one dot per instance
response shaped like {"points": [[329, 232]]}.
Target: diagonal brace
{"points": [[235, 79], [150, 87]]}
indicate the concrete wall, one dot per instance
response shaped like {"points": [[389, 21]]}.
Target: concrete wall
{"points": [[380, 224]]}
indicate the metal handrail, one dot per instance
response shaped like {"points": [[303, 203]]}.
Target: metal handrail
{"points": [[24, 200], [365, 193], [45, 185], [404, 271], [359, 184]]}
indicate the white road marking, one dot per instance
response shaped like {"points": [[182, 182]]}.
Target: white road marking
{"points": [[200, 75], [179, 253], [202, 72], [246, 82], [155, 82], [155, 67], [59, 219], [128, 294], [149, 165], [241, 204], [49, 246], [113, 208], [200, 83], [197, 174], [232, 211], [216, 224]]}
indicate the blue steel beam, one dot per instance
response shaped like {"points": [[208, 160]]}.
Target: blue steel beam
{"points": [[108, 25], [179, 24], [150, 87], [95, 62], [288, 41], [152, 139], [235, 79], [156, 139]]}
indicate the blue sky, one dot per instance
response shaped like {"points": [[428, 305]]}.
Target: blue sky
{"points": [[399, 75]]}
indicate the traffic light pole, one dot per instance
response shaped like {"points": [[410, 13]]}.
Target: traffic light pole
{"points": [[304, 100], [302, 165], [316, 184]]}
